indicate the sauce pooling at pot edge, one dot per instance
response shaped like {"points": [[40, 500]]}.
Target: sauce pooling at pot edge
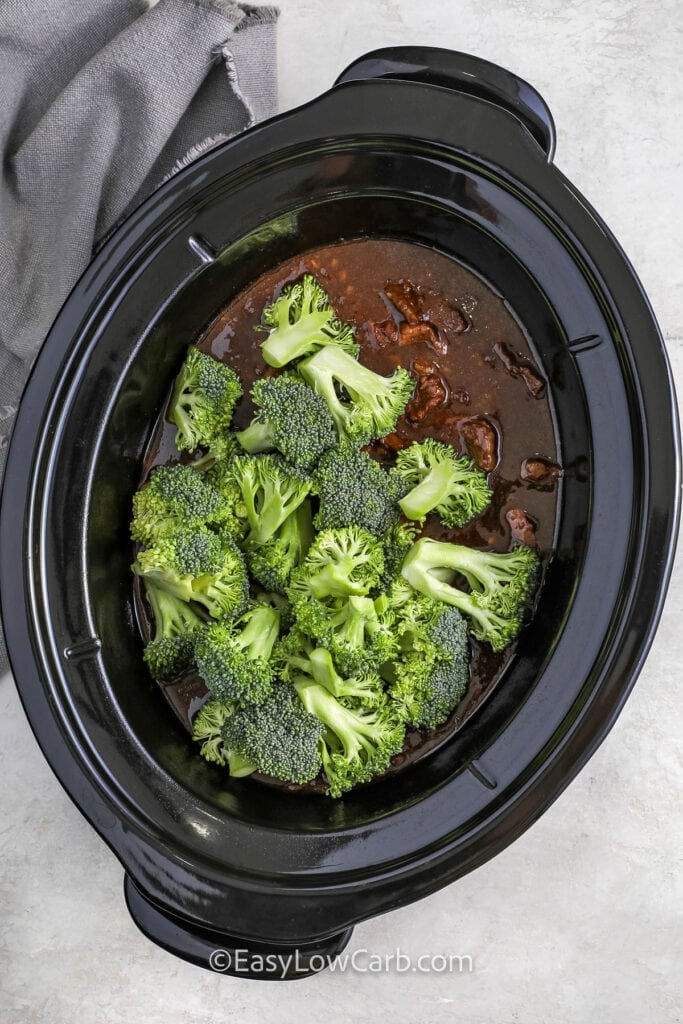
{"points": [[478, 389]]}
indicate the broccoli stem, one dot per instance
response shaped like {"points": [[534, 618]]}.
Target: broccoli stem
{"points": [[348, 727], [485, 623], [238, 765], [184, 403], [335, 581], [258, 637], [256, 438], [171, 616], [500, 584], [206, 462], [285, 344], [485, 571], [366, 689], [359, 380], [324, 671], [360, 616], [434, 489]]}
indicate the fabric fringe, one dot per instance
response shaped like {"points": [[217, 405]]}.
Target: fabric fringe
{"points": [[252, 14], [257, 16], [193, 153]]}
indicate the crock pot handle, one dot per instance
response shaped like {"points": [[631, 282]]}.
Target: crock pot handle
{"points": [[463, 73], [228, 954]]}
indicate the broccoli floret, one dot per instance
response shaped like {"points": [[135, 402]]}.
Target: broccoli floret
{"points": [[223, 448], [302, 320], [431, 627], [207, 729], [358, 742], [354, 490], [271, 492], [292, 652], [442, 481], [500, 584], [203, 401], [339, 563], [297, 656], [397, 541], [279, 736], [292, 418], [176, 497], [280, 604], [447, 686], [357, 631], [273, 563], [196, 565], [171, 649], [431, 673], [175, 561], [366, 688], [426, 693], [374, 402], [233, 659], [233, 516]]}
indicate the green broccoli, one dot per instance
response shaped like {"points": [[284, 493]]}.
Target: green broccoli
{"points": [[297, 656], [358, 742], [273, 563], [356, 632], [447, 686], [500, 584], [397, 541], [367, 688], [233, 511], [292, 418], [374, 402], [291, 652], [354, 490], [428, 626], [176, 497], [203, 401], [338, 563], [271, 492], [279, 736], [302, 320], [171, 649], [426, 693], [431, 672], [442, 481], [233, 659], [207, 729], [280, 604], [196, 565], [223, 448]]}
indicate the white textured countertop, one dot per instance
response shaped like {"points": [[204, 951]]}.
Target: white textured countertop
{"points": [[581, 918]]}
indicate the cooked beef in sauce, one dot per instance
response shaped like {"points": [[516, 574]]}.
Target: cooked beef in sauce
{"points": [[478, 387]]}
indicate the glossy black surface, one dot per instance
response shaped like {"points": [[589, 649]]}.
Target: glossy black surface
{"points": [[227, 954], [412, 159], [470, 76]]}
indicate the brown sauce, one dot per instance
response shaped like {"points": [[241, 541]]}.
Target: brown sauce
{"points": [[480, 389]]}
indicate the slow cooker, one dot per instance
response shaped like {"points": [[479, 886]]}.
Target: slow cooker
{"points": [[420, 144]]}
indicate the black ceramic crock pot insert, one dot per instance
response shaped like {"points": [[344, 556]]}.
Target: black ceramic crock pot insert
{"points": [[419, 144]]}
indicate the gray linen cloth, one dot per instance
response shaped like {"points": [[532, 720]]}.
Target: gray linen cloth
{"points": [[99, 102]]}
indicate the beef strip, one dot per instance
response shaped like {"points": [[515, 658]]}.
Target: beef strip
{"points": [[540, 471], [404, 296], [423, 333], [431, 391], [534, 382], [522, 526], [381, 332], [481, 441]]}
